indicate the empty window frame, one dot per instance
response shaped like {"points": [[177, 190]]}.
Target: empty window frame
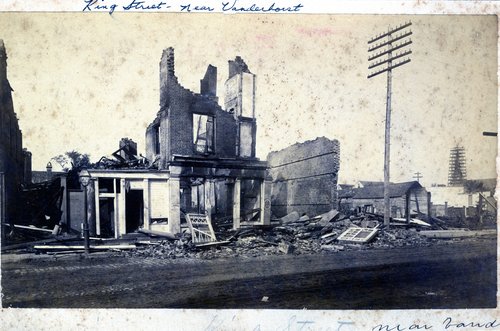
{"points": [[203, 133], [157, 139]]}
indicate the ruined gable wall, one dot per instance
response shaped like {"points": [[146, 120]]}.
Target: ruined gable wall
{"points": [[176, 124], [304, 177], [175, 118]]}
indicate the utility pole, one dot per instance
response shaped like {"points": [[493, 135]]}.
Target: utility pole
{"points": [[417, 176], [387, 43], [457, 173]]}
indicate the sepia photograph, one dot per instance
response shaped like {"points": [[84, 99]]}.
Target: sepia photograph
{"points": [[248, 161]]}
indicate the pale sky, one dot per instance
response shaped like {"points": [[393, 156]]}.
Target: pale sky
{"points": [[84, 81]]}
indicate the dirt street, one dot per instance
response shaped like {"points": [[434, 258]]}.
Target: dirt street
{"points": [[457, 274]]}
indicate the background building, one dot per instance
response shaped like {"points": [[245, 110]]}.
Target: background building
{"points": [[15, 162]]}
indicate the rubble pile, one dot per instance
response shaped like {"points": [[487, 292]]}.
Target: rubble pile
{"points": [[400, 238], [168, 249], [291, 235]]}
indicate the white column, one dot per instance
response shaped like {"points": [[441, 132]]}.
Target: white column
{"points": [[209, 195], [115, 209], [265, 202], [97, 212], [122, 225], [174, 219], [145, 190], [236, 204]]}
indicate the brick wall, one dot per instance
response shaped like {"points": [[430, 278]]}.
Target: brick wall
{"points": [[180, 122], [225, 135], [304, 177], [175, 118]]}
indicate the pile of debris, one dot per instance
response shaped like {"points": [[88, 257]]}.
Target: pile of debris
{"points": [[294, 234]]}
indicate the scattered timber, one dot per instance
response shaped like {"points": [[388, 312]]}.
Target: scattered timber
{"points": [[81, 247], [38, 242], [329, 216], [213, 243], [449, 234], [34, 228]]}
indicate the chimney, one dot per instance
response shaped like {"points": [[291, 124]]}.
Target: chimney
{"points": [[167, 74], [129, 151], [237, 66], [169, 53], [208, 85]]}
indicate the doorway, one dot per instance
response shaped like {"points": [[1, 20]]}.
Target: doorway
{"points": [[134, 210], [107, 217]]}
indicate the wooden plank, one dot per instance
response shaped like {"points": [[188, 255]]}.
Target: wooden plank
{"points": [[45, 241], [328, 235], [82, 247], [447, 234], [329, 216], [147, 242], [213, 243], [32, 228]]}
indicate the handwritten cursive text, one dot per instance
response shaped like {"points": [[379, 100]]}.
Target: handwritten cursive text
{"points": [[233, 6], [134, 5], [450, 324]]}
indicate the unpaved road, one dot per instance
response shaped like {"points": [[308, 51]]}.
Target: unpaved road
{"points": [[453, 275]]}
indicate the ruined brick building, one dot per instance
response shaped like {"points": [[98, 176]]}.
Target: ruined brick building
{"points": [[209, 150], [15, 162], [203, 160]]}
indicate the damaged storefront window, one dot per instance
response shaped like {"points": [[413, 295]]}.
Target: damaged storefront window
{"points": [[250, 200], [203, 133]]}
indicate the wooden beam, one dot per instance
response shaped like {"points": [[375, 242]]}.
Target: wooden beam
{"points": [[416, 201], [33, 228], [487, 201]]}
